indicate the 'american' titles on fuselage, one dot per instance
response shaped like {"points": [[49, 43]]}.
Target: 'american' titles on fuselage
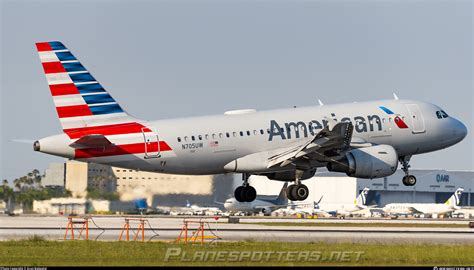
{"points": [[314, 125]]}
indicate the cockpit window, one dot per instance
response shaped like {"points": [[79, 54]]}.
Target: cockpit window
{"points": [[444, 114], [438, 114]]}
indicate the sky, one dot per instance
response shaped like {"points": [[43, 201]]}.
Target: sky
{"points": [[165, 59]]}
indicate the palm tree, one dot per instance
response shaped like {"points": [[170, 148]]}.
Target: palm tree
{"points": [[17, 184]]}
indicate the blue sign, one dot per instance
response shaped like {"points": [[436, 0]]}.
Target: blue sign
{"points": [[442, 178]]}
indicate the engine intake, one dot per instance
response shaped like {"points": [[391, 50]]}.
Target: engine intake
{"points": [[370, 162]]}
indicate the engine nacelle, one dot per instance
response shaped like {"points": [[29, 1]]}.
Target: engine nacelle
{"points": [[267, 211], [370, 162], [289, 175]]}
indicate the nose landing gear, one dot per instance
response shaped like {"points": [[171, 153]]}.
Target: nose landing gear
{"points": [[408, 179]]}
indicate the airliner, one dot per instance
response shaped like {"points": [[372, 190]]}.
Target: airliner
{"points": [[259, 205], [449, 206], [364, 140], [193, 209], [360, 203]]}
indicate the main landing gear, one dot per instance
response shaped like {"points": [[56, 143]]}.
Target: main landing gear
{"points": [[408, 179], [245, 193], [297, 191]]}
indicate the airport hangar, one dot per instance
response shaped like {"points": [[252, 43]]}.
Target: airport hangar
{"points": [[433, 186]]}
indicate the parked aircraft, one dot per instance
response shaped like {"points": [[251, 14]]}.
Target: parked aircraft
{"points": [[193, 209], [342, 210], [449, 206], [259, 205], [364, 140], [309, 209]]}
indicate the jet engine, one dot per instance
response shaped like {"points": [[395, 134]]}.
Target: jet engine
{"points": [[370, 162], [267, 211]]}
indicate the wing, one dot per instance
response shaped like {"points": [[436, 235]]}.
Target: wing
{"points": [[92, 141], [415, 210], [327, 145]]}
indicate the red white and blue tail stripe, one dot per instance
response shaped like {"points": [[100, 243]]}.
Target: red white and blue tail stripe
{"points": [[88, 114], [79, 98]]}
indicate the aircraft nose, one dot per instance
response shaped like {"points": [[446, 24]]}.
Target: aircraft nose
{"points": [[459, 130]]}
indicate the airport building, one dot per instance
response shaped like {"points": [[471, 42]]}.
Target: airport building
{"points": [[158, 189], [432, 186]]}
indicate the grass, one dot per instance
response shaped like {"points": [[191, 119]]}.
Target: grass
{"points": [[39, 252], [361, 224]]}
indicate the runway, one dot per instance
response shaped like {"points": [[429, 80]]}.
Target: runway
{"points": [[108, 228]]}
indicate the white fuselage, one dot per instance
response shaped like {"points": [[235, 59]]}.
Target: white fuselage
{"points": [[340, 209], [256, 206], [204, 145], [414, 208]]}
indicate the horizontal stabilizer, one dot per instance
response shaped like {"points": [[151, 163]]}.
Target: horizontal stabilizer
{"points": [[92, 141]]}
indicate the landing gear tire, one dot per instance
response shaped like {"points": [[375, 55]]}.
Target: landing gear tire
{"points": [[301, 192], [297, 192], [238, 194], [289, 190], [245, 194], [249, 194], [409, 180]]}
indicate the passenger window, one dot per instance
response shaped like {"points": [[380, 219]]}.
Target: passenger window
{"points": [[200, 137], [227, 134], [241, 133], [248, 133], [214, 136], [444, 114], [262, 132], [193, 138], [207, 136], [221, 135], [179, 139], [254, 132], [234, 134], [438, 114], [185, 138]]}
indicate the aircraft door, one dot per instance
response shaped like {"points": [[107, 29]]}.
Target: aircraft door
{"points": [[416, 118], [152, 143]]}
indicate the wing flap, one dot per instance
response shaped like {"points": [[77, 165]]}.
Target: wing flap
{"points": [[338, 138]]}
